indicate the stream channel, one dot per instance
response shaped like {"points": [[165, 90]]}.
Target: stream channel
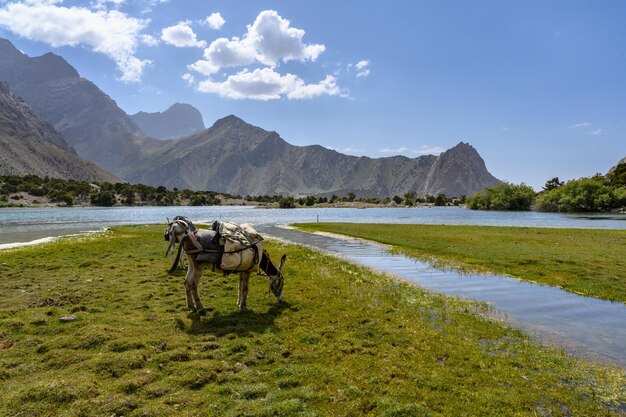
{"points": [[585, 326]]}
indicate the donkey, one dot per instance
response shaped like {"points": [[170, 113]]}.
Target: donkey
{"points": [[198, 260]]}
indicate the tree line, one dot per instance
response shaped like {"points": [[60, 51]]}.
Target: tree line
{"points": [[105, 194], [600, 193]]}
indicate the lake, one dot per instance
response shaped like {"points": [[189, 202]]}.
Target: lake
{"points": [[29, 224]]}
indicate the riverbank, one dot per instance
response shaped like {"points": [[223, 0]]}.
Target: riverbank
{"points": [[346, 341], [582, 261]]}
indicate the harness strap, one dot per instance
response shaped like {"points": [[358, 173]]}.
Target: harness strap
{"points": [[175, 263]]}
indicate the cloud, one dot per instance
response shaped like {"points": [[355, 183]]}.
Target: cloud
{"points": [[429, 150], [181, 36], [268, 41], [266, 84], [189, 78], [362, 69], [394, 151], [582, 124], [596, 132], [111, 33], [215, 21], [149, 40]]}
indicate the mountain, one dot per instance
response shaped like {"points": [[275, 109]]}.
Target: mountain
{"points": [[231, 156], [89, 120], [29, 145], [458, 171], [621, 161], [235, 157], [177, 121]]}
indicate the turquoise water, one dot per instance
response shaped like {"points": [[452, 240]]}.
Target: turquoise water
{"points": [[27, 224]]}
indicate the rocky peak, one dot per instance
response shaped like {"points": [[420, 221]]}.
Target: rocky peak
{"points": [[9, 52], [621, 161], [178, 120], [458, 171]]}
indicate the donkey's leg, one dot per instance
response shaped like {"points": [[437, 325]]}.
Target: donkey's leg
{"points": [[196, 281], [189, 284], [244, 279]]}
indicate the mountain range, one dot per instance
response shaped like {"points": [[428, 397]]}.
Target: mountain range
{"points": [[231, 156], [31, 146]]}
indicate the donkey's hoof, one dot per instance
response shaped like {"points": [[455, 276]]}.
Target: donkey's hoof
{"points": [[202, 312], [243, 308], [192, 309]]}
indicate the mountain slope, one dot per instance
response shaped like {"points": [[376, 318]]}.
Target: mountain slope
{"points": [[177, 121], [233, 156], [89, 120], [29, 145]]}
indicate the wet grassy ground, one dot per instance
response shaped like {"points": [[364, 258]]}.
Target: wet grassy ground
{"points": [[346, 341], [583, 261]]}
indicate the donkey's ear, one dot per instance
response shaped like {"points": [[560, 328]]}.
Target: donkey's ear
{"points": [[282, 262], [168, 220]]}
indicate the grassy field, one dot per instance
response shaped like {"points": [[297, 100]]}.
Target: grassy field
{"points": [[346, 342], [583, 261]]}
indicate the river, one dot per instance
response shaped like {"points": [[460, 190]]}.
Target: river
{"points": [[30, 224]]}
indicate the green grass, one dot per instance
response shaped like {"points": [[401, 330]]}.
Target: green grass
{"points": [[583, 261], [346, 342]]}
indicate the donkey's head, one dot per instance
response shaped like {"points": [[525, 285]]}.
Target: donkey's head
{"points": [[274, 274], [174, 232]]}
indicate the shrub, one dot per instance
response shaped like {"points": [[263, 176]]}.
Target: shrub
{"points": [[504, 196], [103, 198], [582, 195], [287, 202]]}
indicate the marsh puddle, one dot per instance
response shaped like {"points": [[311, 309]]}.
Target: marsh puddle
{"points": [[582, 325]]}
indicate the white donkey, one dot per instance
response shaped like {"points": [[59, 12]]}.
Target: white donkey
{"points": [[201, 250]]}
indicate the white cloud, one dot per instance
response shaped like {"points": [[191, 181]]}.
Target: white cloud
{"points": [[362, 69], [395, 151], [149, 40], [215, 21], [181, 36], [269, 40], [429, 150], [108, 32], [582, 124], [189, 78], [266, 84], [596, 132]]}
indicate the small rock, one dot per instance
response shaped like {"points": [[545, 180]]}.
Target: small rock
{"points": [[71, 317]]}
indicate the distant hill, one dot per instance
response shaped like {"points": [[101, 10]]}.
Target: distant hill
{"points": [[177, 121], [236, 157], [29, 145], [89, 120]]}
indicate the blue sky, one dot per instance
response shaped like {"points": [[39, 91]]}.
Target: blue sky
{"points": [[538, 88]]}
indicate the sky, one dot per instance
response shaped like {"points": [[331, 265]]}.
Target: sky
{"points": [[538, 88]]}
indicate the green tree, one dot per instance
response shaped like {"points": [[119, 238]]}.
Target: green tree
{"points": [[286, 203], [553, 183], [581, 195], [504, 196]]}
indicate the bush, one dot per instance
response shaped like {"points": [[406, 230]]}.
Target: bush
{"points": [[504, 196], [582, 195], [103, 198], [287, 202]]}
